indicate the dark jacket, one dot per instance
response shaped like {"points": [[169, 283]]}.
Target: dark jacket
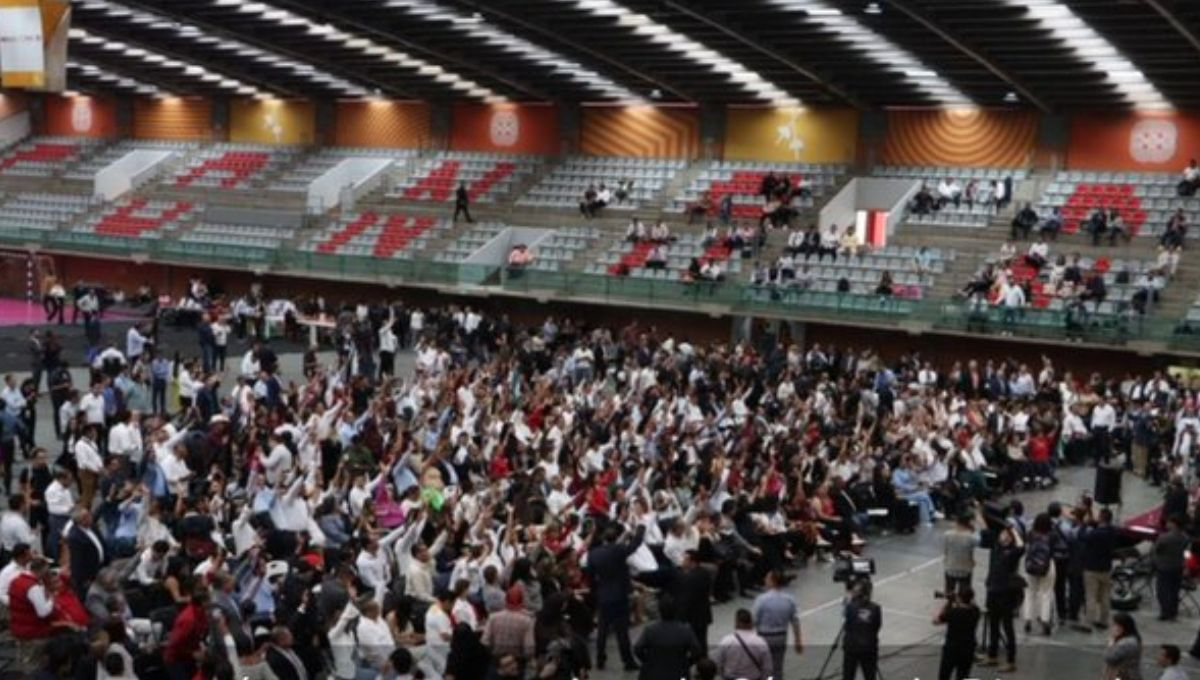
{"points": [[1099, 542], [863, 621], [1169, 549], [693, 592], [610, 573], [86, 560], [667, 649]]}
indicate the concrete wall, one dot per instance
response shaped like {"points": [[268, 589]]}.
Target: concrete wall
{"points": [[129, 172]]}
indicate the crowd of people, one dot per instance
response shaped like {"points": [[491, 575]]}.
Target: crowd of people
{"points": [[525, 489], [949, 191]]}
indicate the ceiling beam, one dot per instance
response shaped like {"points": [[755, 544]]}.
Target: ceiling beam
{"points": [[144, 76], [986, 62], [339, 16], [169, 9], [723, 27], [487, 9], [1187, 33]]}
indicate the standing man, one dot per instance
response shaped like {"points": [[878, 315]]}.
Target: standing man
{"points": [[667, 647], [863, 619], [958, 550], [1104, 419], [1098, 540], [961, 618], [87, 552], [1168, 567], [220, 331], [135, 344], [693, 590], [208, 343], [462, 202], [775, 611], [612, 581], [743, 653], [60, 393]]}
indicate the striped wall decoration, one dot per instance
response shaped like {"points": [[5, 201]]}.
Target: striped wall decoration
{"points": [[642, 131], [960, 137], [173, 118], [382, 124]]}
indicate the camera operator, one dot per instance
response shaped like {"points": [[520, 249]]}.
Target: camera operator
{"points": [[1005, 590], [863, 619], [961, 617]]}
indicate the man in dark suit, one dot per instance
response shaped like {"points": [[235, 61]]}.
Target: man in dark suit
{"points": [[693, 592], [667, 647], [284, 663], [612, 582], [87, 552]]}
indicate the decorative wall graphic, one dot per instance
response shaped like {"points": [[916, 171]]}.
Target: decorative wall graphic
{"points": [[1153, 141], [645, 131], [380, 123], [792, 135], [80, 116], [960, 137], [1146, 142], [272, 121], [189, 118], [506, 128]]}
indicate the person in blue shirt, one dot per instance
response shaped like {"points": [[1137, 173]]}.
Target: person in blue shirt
{"points": [[910, 488], [12, 431]]}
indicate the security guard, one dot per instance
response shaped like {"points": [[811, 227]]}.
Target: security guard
{"points": [[862, 623]]}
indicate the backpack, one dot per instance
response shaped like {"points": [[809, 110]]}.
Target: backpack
{"points": [[1038, 558]]}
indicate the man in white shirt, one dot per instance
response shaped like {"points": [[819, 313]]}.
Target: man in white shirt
{"points": [[92, 405], [152, 564], [375, 642], [14, 528], [135, 344], [1104, 419], [21, 555], [1013, 298], [89, 463], [278, 462], [125, 438], [60, 501]]}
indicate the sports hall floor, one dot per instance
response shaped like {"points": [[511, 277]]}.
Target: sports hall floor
{"points": [[908, 569]]}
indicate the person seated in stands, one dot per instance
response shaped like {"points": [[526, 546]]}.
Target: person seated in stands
{"points": [[1024, 222], [1097, 225], [949, 191], [770, 212], [636, 232], [692, 273], [711, 271], [603, 197], [1052, 224], [795, 242], [711, 234], [725, 209], [787, 267], [1007, 252], [587, 204], [885, 287], [1177, 227], [761, 276], [1057, 270], [660, 233], [810, 243], [773, 274], [800, 188], [849, 244], [804, 278], [701, 208], [623, 191], [1074, 272], [1000, 195], [1191, 179], [1094, 290], [971, 193], [830, 241], [923, 202], [980, 284], [923, 262], [657, 259], [768, 187], [1116, 228], [520, 257], [1167, 262], [1037, 255]]}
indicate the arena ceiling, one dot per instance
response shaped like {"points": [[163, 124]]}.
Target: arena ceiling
{"points": [[1053, 55]]}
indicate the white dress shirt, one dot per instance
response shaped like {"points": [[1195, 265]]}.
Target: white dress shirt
{"points": [[14, 529], [87, 457]]}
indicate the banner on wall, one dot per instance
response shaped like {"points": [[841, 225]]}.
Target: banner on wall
{"points": [[791, 135], [1136, 142], [385, 124], [80, 116], [506, 128], [644, 131], [960, 137], [33, 43], [272, 121]]}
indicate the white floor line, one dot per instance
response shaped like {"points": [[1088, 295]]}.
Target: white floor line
{"points": [[877, 583]]}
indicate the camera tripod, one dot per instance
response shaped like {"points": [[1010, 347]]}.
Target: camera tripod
{"points": [[837, 641]]}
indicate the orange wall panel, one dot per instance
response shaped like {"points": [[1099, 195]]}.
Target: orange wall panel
{"points": [[1139, 142], [644, 131], [80, 116], [272, 121], [188, 118], [506, 128], [791, 135], [960, 137], [382, 124]]}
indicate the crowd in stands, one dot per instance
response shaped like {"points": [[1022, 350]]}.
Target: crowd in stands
{"points": [[949, 191], [527, 488], [596, 198]]}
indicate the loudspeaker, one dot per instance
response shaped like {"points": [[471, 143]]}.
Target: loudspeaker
{"points": [[1108, 485]]}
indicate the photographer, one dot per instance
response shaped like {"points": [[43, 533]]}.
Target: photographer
{"points": [[1005, 590], [961, 617], [863, 619]]}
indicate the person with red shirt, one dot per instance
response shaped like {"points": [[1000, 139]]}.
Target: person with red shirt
{"points": [[33, 617], [1041, 448], [185, 644]]}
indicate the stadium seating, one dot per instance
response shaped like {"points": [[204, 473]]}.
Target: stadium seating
{"points": [[42, 211], [563, 187], [239, 235], [1113, 270], [743, 179], [371, 234], [565, 245], [1145, 200], [138, 218], [468, 243], [632, 257], [487, 175], [86, 170], [978, 214], [297, 179], [232, 166], [43, 156]]}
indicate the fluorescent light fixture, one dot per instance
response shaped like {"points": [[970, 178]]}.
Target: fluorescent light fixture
{"points": [[878, 49], [681, 44], [1089, 46]]}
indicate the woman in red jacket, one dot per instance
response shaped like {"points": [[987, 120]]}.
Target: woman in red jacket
{"points": [[1041, 451], [185, 644]]}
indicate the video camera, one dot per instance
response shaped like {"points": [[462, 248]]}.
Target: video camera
{"points": [[849, 568]]}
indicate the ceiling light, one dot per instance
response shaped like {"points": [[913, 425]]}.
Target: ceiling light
{"points": [[872, 8], [1011, 98]]}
